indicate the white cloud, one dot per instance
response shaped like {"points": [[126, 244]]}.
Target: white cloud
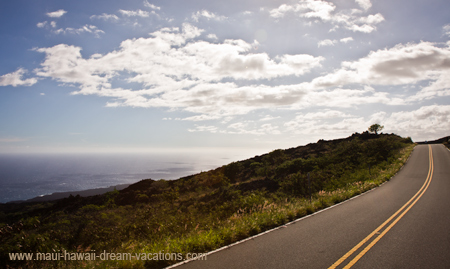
{"points": [[362, 28], [214, 101], [64, 63], [317, 9], [306, 8], [92, 29], [268, 118], [402, 64], [269, 129], [45, 24], [326, 114], [135, 13], [425, 123], [57, 14], [326, 124], [69, 30], [326, 42], [105, 17], [325, 11], [446, 29], [346, 39], [208, 15], [281, 11], [298, 64], [371, 19], [212, 36], [365, 4], [245, 128], [346, 98], [202, 117], [204, 128], [15, 79], [147, 4], [41, 24], [237, 125], [200, 60]]}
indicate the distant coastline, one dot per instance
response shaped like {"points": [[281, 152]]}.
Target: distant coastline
{"points": [[25, 177], [83, 193]]}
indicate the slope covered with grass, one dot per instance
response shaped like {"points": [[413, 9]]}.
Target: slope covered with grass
{"points": [[205, 211]]}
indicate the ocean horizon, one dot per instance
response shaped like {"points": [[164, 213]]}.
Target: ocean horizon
{"points": [[26, 176]]}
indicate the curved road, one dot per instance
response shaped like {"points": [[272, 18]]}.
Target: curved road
{"points": [[405, 223]]}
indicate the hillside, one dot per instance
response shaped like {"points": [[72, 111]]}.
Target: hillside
{"points": [[444, 140], [204, 211]]}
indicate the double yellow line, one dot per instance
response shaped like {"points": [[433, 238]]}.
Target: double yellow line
{"points": [[402, 211]]}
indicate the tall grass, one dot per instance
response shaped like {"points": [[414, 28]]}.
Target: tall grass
{"points": [[262, 217]]}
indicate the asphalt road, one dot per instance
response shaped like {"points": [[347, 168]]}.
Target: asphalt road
{"points": [[414, 234]]}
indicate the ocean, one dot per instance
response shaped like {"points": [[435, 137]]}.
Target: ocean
{"points": [[25, 176]]}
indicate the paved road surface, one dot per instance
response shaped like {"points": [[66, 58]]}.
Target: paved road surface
{"points": [[418, 236]]}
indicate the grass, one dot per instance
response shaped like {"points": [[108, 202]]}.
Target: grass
{"points": [[260, 218]]}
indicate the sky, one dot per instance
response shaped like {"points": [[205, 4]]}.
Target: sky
{"points": [[142, 75]]}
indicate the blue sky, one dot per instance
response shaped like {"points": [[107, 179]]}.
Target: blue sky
{"points": [[137, 75]]}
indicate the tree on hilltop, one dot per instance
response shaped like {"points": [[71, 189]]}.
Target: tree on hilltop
{"points": [[375, 128]]}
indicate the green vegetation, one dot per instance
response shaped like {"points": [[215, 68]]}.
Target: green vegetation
{"points": [[201, 212]]}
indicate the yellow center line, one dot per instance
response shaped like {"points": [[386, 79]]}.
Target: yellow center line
{"points": [[418, 195]]}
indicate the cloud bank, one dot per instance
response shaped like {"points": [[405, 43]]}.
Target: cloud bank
{"points": [[176, 70], [400, 65]]}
